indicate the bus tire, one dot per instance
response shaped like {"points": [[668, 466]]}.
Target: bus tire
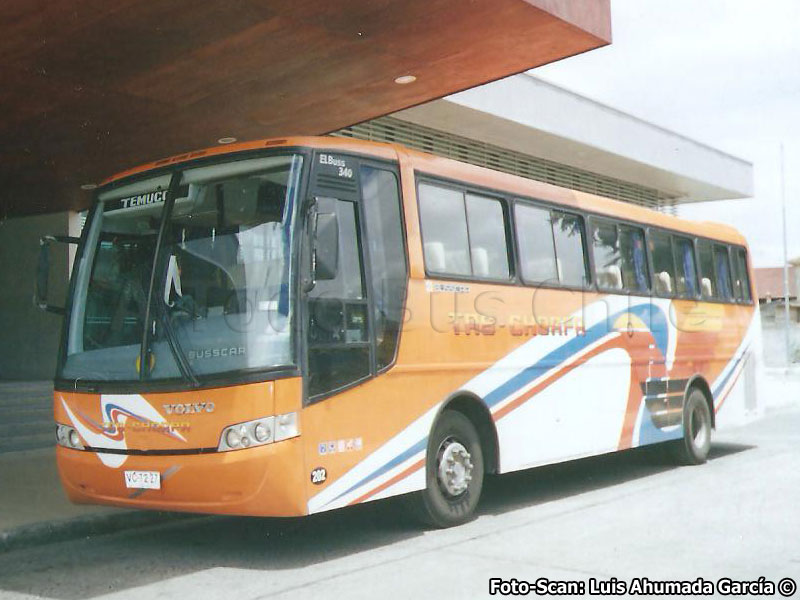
{"points": [[693, 447], [454, 473]]}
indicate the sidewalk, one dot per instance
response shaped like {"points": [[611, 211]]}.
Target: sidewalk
{"points": [[34, 509]]}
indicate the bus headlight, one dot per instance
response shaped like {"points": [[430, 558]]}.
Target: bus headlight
{"points": [[67, 436], [262, 432], [232, 438], [252, 433]]}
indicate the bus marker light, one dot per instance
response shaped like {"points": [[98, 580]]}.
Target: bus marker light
{"points": [[287, 427]]}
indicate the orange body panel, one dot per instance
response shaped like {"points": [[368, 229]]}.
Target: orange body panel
{"points": [[258, 481]]}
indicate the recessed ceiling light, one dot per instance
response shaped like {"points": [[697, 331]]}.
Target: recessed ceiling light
{"points": [[405, 79], [226, 140], [89, 186]]}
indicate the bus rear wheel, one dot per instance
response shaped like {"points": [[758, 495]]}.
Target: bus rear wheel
{"points": [[453, 473], [693, 447]]}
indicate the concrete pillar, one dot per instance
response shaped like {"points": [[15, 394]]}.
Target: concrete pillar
{"points": [[29, 337]]}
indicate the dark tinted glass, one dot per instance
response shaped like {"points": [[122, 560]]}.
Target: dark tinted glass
{"points": [[663, 263], [634, 261], [722, 267], [708, 281], [536, 250], [685, 269], [607, 258], [487, 237], [444, 230], [744, 278], [387, 257], [570, 256], [338, 332]]}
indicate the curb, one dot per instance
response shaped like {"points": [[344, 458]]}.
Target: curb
{"points": [[49, 532]]}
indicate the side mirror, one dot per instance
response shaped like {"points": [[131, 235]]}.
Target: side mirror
{"points": [[326, 247], [43, 271]]}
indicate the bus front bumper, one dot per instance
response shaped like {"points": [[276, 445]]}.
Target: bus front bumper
{"points": [[259, 481]]}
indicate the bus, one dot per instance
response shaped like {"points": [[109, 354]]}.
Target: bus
{"points": [[290, 326]]}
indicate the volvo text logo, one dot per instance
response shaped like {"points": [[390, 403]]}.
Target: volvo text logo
{"points": [[188, 408]]}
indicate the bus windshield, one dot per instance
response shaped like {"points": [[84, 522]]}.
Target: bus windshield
{"points": [[217, 280]]}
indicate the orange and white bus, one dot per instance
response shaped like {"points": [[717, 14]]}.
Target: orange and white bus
{"points": [[290, 326]]}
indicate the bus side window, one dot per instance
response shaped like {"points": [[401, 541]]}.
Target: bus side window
{"points": [[571, 263], [663, 263], [634, 262], [444, 230], [744, 278], [487, 237], [736, 278], [536, 250], [387, 258], [607, 259], [463, 234], [723, 271], [685, 268], [708, 281]]}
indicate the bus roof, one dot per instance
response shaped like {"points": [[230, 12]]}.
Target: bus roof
{"points": [[447, 168]]}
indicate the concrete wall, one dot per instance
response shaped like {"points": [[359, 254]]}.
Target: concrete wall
{"points": [[29, 337], [529, 115]]}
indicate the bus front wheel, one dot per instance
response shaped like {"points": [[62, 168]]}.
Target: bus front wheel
{"points": [[453, 472], [693, 447]]}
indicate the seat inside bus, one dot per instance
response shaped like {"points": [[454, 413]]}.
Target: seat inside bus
{"points": [[610, 277], [663, 283]]}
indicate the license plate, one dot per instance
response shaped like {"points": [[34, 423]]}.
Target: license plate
{"points": [[143, 480]]}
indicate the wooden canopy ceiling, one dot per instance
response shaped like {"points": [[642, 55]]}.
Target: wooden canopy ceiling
{"points": [[90, 87]]}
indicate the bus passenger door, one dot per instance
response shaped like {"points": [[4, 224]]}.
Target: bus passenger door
{"points": [[337, 312], [353, 311]]}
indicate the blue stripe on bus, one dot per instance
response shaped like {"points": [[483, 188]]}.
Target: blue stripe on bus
{"points": [[415, 449], [721, 385]]}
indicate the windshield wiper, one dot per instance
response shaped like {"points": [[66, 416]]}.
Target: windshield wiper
{"points": [[177, 352], [175, 345]]}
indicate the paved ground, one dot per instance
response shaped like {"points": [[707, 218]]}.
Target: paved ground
{"points": [[31, 487], [626, 515]]}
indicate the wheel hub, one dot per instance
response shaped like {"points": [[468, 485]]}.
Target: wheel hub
{"points": [[455, 467]]}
